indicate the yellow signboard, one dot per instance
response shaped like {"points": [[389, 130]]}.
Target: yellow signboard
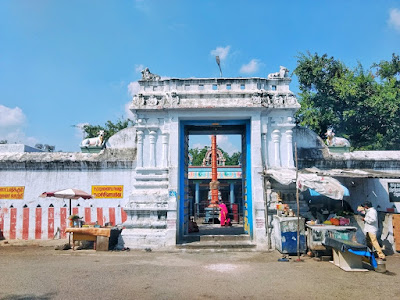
{"points": [[12, 192], [108, 191]]}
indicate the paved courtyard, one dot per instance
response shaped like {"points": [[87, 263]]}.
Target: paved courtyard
{"points": [[39, 272]]}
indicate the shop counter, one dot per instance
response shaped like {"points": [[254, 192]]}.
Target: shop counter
{"points": [[285, 234], [348, 255], [100, 236], [317, 233]]}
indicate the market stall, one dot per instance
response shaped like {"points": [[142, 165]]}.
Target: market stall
{"points": [[317, 233], [347, 253], [100, 236], [286, 234]]}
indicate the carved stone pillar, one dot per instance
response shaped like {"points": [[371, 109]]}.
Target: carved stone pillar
{"points": [[165, 150], [276, 134], [289, 139], [232, 192], [152, 154], [140, 134], [265, 152]]}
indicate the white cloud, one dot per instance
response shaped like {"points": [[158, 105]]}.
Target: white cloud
{"points": [[251, 67], [228, 143], [133, 88], [394, 18], [12, 123], [128, 112], [79, 132], [221, 52], [11, 117], [142, 5], [199, 146], [225, 144], [139, 68]]}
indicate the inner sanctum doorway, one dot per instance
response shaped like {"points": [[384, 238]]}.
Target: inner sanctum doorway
{"points": [[234, 187]]}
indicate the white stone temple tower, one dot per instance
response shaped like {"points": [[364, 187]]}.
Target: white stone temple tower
{"points": [[166, 110]]}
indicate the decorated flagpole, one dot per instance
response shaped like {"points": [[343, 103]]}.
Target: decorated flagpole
{"points": [[214, 184]]}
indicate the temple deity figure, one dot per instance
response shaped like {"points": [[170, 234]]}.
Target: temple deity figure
{"points": [[138, 100], [171, 99], [291, 99], [152, 101], [256, 98], [277, 99]]}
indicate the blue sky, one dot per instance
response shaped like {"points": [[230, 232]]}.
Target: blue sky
{"points": [[71, 62]]}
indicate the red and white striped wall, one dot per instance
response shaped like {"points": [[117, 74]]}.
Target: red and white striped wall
{"points": [[42, 223]]}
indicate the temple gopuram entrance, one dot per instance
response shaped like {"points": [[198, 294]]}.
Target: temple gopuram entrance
{"points": [[166, 195], [234, 190]]}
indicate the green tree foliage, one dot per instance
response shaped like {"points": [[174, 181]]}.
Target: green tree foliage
{"points": [[109, 128], [358, 105], [234, 159], [199, 154], [231, 160]]}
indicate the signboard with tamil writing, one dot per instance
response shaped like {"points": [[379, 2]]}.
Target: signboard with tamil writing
{"points": [[108, 191], [12, 192], [394, 191]]}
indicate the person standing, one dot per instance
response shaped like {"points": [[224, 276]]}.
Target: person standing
{"points": [[225, 221], [371, 228]]}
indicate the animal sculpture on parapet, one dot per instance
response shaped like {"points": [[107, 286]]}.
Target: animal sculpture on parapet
{"points": [[333, 141], [147, 75], [94, 142], [283, 72]]}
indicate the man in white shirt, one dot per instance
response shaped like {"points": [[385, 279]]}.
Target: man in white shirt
{"points": [[371, 228]]}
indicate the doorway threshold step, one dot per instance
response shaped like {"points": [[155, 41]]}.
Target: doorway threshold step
{"points": [[219, 246], [223, 238]]}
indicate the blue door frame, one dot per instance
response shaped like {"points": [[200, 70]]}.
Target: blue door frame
{"points": [[182, 167]]}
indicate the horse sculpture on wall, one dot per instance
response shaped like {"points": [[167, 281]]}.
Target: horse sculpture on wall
{"points": [[333, 141], [94, 142]]}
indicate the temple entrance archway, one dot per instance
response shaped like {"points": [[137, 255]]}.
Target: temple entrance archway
{"points": [[192, 201]]}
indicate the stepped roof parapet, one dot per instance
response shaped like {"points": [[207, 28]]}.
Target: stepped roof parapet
{"points": [[182, 93]]}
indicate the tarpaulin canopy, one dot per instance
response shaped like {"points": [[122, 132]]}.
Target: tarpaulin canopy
{"points": [[315, 193], [323, 185]]}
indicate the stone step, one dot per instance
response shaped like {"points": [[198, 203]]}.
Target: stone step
{"points": [[220, 238], [193, 247], [221, 243]]}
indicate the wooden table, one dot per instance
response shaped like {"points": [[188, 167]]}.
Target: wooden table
{"points": [[91, 234]]}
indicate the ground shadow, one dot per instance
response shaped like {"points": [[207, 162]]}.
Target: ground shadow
{"points": [[47, 296]]}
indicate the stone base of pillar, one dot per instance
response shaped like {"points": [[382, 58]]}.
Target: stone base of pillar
{"points": [[151, 221], [212, 215], [136, 238]]}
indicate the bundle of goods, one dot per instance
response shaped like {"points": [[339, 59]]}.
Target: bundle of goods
{"points": [[338, 221]]}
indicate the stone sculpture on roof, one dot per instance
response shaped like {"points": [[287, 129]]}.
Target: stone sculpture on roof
{"points": [[147, 75], [333, 141], [283, 72]]}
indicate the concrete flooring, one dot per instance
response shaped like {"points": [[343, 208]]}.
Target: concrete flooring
{"points": [[34, 270]]}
